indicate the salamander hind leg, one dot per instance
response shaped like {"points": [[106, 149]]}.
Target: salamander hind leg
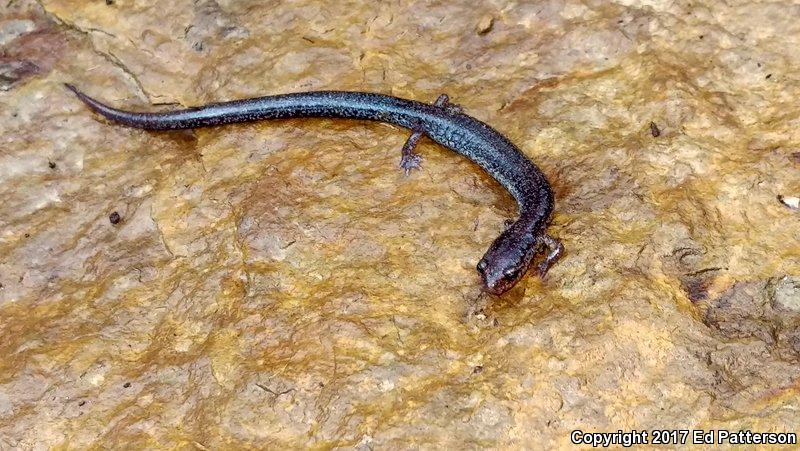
{"points": [[444, 102], [556, 250], [409, 159]]}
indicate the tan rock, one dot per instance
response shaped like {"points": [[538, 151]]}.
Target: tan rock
{"points": [[282, 284]]}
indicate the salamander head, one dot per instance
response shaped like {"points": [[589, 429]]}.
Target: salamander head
{"points": [[507, 259]]}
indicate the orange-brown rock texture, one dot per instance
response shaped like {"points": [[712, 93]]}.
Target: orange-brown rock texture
{"points": [[283, 284]]}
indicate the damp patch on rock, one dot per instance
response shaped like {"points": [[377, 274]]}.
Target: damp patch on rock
{"points": [[14, 72], [768, 311]]}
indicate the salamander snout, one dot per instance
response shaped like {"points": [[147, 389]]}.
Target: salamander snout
{"points": [[507, 260], [498, 282]]}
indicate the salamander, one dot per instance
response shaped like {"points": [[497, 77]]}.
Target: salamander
{"points": [[510, 254]]}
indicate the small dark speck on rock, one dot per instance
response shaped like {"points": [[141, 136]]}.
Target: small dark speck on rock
{"points": [[51, 164], [82, 403], [768, 76], [701, 36], [795, 157], [478, 369], [115, 218], [109, 2], [654, 130], [126, 384], [27, 235]]}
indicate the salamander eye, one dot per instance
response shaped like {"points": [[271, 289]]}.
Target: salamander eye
{"points": [[511, 274], [482, 265]]}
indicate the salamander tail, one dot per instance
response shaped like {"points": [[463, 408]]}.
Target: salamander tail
{"points": [[129, 118], [95, 105]]}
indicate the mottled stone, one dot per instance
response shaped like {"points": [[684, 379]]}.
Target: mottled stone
{"points": [[13, 28], [787, 294]]}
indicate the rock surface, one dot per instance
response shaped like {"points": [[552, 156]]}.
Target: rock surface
{"points": [[283, 284]]}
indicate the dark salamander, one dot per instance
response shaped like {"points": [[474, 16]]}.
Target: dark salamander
{"points": [[509, 256]]}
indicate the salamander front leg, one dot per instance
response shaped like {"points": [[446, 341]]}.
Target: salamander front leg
{"points": [[556, 249], [409, 159]]}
